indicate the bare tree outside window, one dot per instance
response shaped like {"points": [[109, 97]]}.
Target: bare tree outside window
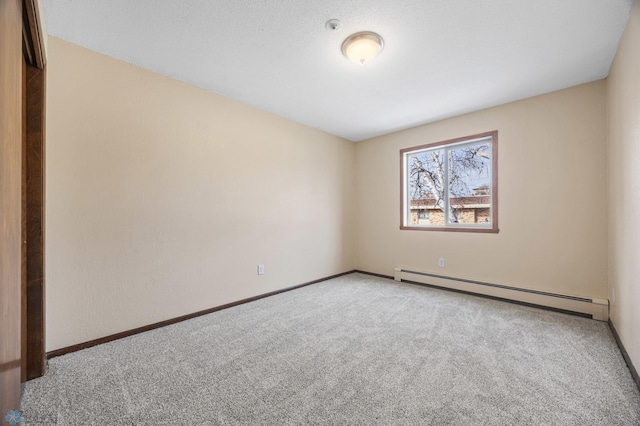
{"points": [[451, 184]]}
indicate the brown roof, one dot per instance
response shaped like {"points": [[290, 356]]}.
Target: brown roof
{"points": [[475, 200]]}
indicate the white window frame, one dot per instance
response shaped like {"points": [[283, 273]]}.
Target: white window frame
{"points": [[446, 146]]}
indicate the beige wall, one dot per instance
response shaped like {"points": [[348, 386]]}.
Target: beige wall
{"points": [[163, 198], [552, 198], [623, 109]]}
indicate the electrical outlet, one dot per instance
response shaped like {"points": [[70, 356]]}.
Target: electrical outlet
{"points": [[441, 262], [260, 269]]}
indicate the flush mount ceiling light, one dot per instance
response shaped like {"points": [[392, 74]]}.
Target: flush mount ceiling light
{"points": [[362, 47]]}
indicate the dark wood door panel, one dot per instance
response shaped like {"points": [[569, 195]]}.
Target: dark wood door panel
{"points": [[34, 221]]}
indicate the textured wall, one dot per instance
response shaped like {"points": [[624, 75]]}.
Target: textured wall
{"points": [[623, 110], [552, 169], [162, 199]]}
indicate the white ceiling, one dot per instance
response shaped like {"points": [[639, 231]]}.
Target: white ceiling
{"points": [[442, 58]]}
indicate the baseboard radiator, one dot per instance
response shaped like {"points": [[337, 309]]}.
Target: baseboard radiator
{"points": [[597, 308]]}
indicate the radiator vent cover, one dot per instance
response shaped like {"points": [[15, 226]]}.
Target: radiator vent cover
{"points": [[598, 309]]}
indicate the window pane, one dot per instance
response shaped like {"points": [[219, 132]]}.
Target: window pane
{"points": [[451, 185], [426, 186], [470, 184]]}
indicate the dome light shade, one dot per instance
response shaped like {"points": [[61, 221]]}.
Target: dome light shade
{"points": [[362, 47]]}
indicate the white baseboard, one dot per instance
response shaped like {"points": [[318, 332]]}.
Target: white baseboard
{"points": [[597, 308]]}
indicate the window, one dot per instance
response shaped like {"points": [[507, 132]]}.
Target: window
{"points": [[451, 185]]}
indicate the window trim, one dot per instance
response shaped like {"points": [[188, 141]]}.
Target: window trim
{"points": [[494, 185]]}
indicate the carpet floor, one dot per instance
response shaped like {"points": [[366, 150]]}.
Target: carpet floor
{"points": [[356, 350]]}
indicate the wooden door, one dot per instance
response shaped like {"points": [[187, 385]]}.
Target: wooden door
{"points": [[22, 77], [10, 203]]}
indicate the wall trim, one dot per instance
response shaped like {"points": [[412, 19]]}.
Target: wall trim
{"points": [[389, 277], [123, 334], [625, 355], [471, 293]]}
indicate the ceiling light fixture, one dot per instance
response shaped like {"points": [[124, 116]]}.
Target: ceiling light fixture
{"points": [[362, 47]]}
